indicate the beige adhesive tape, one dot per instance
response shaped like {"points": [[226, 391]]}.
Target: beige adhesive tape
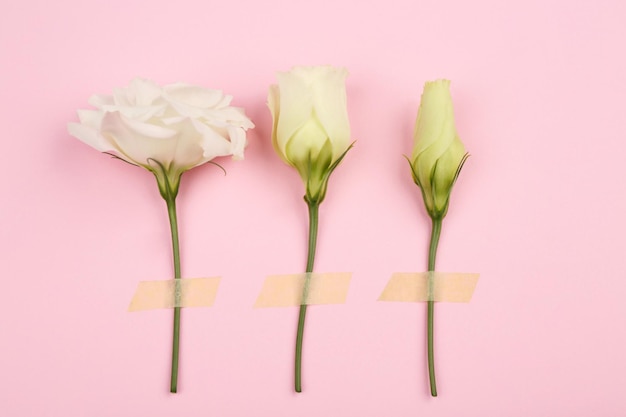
{"points": [[300, 289], [188, 292], [430, 286]]}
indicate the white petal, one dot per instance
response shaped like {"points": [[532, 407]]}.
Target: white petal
{"points": [[91, 118], [435, 118], [173, 120], [238, 141], [142, 92], [184, 109], [273, 103], [241, 119], [138, 141], [141, 113], [306, 143], [90, 136], [330, 103], [194, 96], [296, 106], [224, 102], [226, 117], [189, 152], [212, 143], [148, 130], [99, 101]]}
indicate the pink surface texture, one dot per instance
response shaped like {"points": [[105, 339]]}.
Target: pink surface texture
{"points": [[538, 210]]}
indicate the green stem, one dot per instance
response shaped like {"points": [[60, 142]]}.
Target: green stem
{"points": [[432, 256], [313, 216], [171, 211]]}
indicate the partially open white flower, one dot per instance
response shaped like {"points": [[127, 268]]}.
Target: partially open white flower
{"points": [[167, 130], [311, 131], [438, 153]]}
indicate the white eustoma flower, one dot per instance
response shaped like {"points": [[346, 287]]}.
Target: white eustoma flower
{"points": [[311, 131], [438, 154], [167, 130]]}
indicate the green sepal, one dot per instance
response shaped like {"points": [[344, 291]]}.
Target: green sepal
{"points": [[167, 180], [315, 195], [429, 200]]}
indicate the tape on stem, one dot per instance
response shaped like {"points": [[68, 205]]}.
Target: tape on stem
{"points": [[304, 289], [452, 287], [188, 292]]}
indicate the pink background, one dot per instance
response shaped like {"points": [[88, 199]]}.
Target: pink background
{"points": [[539, 90]]}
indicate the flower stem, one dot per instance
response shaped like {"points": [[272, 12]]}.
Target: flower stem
{"points": [[432, 256], [171, 211], [313, 216]]}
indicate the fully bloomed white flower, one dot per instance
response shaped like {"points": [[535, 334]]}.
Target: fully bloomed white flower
{"points": [[167, 130], [311, 131]]}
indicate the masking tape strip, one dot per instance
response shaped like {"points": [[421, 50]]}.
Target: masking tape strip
{"points": [[305, 288], [189, 292], [453, 287]]}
